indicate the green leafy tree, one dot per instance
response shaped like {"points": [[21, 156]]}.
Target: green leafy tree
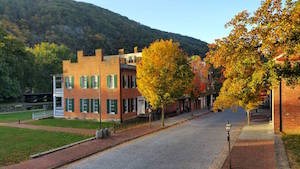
{"points": [[163, 74], [247, 54], [16, 68], [48, 61]]}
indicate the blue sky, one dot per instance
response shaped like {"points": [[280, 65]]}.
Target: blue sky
{"points": [[201, 19]]}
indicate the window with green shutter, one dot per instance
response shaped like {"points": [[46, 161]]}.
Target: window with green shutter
{"points": [[112, 81], [95, 105], [84, 105], [69, 82], [95, 82], [84, 82], [69, 103], [112, 106]]}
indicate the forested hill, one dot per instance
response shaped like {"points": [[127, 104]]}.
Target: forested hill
{"points": [[82, 26]]}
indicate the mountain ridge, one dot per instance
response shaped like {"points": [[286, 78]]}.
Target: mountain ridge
{"points": [[83, 26]]}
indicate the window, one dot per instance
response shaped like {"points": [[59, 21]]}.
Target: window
{"points": [[95, 82], [124, 81], [58, 81], [130, 60], [58, 102], [125, 106], [69, 105], [133, 82], [69, 82], [84, 82], [84, 105], [129, 81], [111, 81], [95, 105], [112, 106]]}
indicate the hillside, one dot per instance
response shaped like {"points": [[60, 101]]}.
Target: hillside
{"points": [[82, 26]]}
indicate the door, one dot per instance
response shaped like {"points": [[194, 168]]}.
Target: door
{"points": [[141, 105]]}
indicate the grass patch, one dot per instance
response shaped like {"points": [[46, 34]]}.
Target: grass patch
{"points": [[18, 144], [292, 145], [86, 124], [14, 117]]}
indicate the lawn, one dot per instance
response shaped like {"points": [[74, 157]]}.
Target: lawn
{"points": [[86, 124], [13, 117], [292, 145], [18, 144]]}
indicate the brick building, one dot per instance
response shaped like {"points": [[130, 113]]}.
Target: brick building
{"points": [[286, 105], [104, 85]]}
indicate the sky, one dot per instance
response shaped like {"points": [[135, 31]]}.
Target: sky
{"points": [[200, 19]]}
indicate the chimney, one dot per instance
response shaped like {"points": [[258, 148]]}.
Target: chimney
{"points": [[135, 49], [99, 54], [121, 51], [79, 55]]}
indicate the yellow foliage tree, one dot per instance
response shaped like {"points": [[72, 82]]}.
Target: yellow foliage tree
{"points": [[246, 55], [163, 74]]}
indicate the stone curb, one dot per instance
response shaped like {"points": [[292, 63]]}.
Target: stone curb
{"points": [[60, 148], [280, 154]]}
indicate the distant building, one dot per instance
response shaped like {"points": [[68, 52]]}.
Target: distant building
{"points": [[203, 88], [107, 85]]}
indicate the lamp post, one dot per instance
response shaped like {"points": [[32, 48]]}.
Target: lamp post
{"points": [[227, 128]]}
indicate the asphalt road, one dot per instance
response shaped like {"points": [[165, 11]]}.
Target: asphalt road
{"points": [[197, 144]]}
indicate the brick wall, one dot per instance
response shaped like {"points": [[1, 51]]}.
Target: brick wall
{"points": [[290, 109], [92, 65]]}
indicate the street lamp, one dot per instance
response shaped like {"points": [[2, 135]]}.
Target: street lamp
{"points": [[227, 128]]}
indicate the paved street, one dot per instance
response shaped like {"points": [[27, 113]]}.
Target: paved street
{"points": [[197, 144]]}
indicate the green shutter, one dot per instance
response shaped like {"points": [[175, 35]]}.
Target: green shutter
{"points": [[98, 82], [98, 102], [107, 106], [116, 106], [66, 104], [72, 81], [88, 105], [80, 105], [72, 105], [81, 82], [116, 81], [92, 81], [87, 81], [92, 105]]}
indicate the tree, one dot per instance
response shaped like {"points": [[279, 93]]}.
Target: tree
{"points": [[48, 60], [16, 67], [246, 55], [164, 74]]}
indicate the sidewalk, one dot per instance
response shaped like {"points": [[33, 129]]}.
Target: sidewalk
{"points": [[254, 148], [68, 155]]}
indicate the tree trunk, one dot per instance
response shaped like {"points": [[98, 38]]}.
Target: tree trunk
{"points": [[248, 117], [162, 116]]}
